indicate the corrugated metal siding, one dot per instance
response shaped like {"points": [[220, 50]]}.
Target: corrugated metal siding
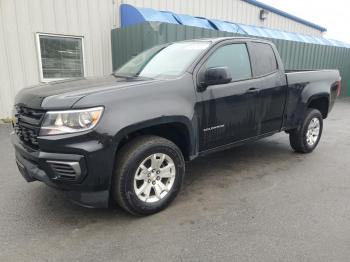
{"points": [[129, 41], [93, 19], [21, 19], [230, 10]]}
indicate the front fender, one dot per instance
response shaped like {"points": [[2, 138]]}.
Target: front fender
{"points": [[159, 121], [130, 108]]}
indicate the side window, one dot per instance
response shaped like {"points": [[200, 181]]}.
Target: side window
{"points": [[263, 59], [235, 57]]}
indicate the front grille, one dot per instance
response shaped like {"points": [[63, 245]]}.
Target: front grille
{"points": [[27, 125]]}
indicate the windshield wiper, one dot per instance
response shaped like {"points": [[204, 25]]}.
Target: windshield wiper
{"points": [[136, 76], [123, 76]]}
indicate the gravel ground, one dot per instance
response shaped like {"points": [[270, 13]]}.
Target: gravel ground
{"points": [[258, 202]]}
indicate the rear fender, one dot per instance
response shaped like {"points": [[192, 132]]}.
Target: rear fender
{"points": [[300, 96]]}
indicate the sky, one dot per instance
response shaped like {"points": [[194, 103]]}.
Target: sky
{"points": [[332, 14]]}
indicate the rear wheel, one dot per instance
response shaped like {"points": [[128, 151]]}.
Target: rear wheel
{"points": [[149, 174], [305, 138]]}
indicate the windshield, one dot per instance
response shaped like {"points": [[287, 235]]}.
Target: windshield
{"points": [[165, 61]]}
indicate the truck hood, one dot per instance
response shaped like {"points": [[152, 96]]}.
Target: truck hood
{"points": [[64, 94]]}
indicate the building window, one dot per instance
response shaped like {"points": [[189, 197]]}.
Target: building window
{"points": [[60, 57]]}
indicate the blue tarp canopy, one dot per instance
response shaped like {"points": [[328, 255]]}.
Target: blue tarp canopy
{"points": [[226, 26], [193, 21], [131, 15]]}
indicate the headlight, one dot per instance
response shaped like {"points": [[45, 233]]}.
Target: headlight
{"points": [[70, 121]]}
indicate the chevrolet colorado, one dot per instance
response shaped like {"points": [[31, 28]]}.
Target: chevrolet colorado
{"points": [[124, 138]]}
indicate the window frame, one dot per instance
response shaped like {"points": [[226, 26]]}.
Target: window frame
{"points": [[220, 45], [38, 48], [251, 51]]}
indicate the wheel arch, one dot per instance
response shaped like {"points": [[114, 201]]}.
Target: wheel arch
{"points": [[319, 102], [178, 129]]}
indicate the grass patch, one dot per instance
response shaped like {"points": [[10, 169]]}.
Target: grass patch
{"points": [[7, 120]]}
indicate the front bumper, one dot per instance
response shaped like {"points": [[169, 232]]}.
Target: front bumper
{"points": [[90, 187]]}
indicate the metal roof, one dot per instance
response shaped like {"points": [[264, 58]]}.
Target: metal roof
{"points": [[285, 14], [131, 15]]}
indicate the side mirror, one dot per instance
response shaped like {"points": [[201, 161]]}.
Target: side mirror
{"points": [[214, 76]]}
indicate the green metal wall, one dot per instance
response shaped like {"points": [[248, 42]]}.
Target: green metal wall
{"points": [[129, 41]]}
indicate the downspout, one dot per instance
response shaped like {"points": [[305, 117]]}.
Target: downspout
{"points": [[114, 14]]}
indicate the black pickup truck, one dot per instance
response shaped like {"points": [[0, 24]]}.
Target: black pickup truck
{"points": [[124, 138]]}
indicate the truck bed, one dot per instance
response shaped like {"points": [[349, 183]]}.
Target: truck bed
{"points": [[307, 76]]}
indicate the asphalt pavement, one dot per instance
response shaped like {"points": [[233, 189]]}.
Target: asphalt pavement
{"points": [[257, 202]]}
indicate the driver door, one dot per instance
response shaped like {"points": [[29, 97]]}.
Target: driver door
{"points": [[227, 112]]}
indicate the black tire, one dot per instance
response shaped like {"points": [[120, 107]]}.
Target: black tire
{"points": [[298, 136], [128, 160]]}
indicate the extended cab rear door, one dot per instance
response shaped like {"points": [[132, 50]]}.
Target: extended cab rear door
{"points": [[268, 69]]}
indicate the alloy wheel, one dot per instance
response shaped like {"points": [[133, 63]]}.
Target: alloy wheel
{"points": [[154, 177]]}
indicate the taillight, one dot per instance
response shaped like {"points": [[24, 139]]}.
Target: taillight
{"points": [[338, 88]]}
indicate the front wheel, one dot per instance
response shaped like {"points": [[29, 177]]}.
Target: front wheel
{"points": [[305, 138], [149, 174]]}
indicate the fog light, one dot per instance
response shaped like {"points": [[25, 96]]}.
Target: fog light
{"points": [[65, 170]]}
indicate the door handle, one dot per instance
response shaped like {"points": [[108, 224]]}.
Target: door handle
{"points": [[253, 90]]}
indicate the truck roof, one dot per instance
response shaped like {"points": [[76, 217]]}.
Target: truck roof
{"points": [[219, 39]]}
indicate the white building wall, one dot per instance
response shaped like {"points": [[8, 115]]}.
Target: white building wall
{"points": [[20, 20]]}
